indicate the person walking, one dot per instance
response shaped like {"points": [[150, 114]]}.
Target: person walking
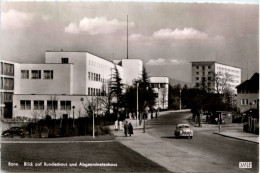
{"points": [[126, 128], [130, 129]]}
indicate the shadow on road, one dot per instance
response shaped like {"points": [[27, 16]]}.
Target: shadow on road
{"points": [[173, 137]]}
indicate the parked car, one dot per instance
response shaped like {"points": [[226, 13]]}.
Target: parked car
{"points": [[14, 131], [183, 130]]}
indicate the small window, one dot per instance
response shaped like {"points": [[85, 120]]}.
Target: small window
{"points": [[38, 105], [197, 78], [197, 73], [52, 104], [65, 105], [203, 67], [48, 74], [36, 74], [209, 67], [25, 104], [197, 67], [64, 60], [24, 74]]}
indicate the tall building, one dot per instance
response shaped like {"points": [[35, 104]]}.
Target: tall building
{"points": [[161, 88], [7, 88], [214, 76], [65, 83]]}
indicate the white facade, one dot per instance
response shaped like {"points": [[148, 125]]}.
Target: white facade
{"points": [[66, 80], [161, 88], [202, 73]]}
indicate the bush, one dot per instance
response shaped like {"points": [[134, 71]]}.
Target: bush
{"points": [[105, 130]]}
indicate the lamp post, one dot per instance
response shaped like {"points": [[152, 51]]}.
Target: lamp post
{"points": [[180, 99], [137, 85], [73, 107]]}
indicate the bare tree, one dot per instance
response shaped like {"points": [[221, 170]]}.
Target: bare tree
{"points": [[220, 81], [163, 99]]}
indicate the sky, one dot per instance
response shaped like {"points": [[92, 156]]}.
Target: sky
{"points": [[166, 36]]}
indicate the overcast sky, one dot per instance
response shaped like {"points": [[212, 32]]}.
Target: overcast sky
{"points": [[166, 36]]}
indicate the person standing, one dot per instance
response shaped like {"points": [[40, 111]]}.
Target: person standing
{"points": [[126, 128], [130, 129]]}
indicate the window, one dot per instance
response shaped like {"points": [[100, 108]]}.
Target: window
{"points": [[89, 92], [197, 84], [8, 97], [25, 104], [197, 73], [52, 104], [64, 60], [246, 101], [8, 83], [36, 74], [88, 75], [209, 67], [203, 67], [38, 105], [24, 74], [8, 69], [92, 76], [242, 102], [197, 78], [197, 67], [65, 105], [48, 74]]}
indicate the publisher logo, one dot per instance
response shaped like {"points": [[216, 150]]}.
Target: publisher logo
{"points": [[245, 164]]}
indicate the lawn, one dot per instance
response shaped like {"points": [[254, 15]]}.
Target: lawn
{"points": [[108, 152]]}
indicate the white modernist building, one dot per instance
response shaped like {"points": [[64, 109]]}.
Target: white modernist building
{"points": [[202, 72], [161, 88], [66, 82]]}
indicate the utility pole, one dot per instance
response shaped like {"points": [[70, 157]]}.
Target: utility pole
{"points": [[93, 124], [127, 39]]}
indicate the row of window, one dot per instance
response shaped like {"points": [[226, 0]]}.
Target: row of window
{"points": [[94, 92], [36, 74], [227, 69], [39, 105], [203, 67], [158, 85], [98, 65], [96, 77]]}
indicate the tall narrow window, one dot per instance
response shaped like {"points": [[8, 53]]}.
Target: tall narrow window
{"points": [[36, 74], [24, 74], [48, 74], [64, 60]]}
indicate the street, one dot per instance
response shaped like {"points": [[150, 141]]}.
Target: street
{"points": [[221, 149]]}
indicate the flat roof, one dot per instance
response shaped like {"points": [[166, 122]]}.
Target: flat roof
{"points": [[212, 62]]}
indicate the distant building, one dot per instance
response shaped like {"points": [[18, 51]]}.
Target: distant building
{"points": [[7, 88], [161, 88], [248, 94], [205, 74]]}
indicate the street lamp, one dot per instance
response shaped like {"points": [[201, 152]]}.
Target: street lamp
{"points": [[180, 99], [137, 85], [73, 107]]}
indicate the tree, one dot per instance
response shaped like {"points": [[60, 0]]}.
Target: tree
{"points": [[174, 96], [220, 81], [164, 98], [116, 89]]}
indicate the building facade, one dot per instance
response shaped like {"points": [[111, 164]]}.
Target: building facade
{"points": [[7, 88], [66, 83], [215, 77], [248, 94], [161, 88]]}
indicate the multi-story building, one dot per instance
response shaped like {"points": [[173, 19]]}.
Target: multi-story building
{"points": [[215, 77], [66, 82], [161, 88], [248, 94], [7, 88]]}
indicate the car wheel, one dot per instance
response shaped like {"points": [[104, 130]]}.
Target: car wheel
{"points": [[190, 137]]}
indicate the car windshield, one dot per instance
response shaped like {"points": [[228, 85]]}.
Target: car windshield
{"points": [[183, 126]]}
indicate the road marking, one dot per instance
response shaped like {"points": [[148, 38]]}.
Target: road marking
{"points": [[53, 142]]}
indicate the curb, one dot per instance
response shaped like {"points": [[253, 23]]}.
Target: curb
{"points": [[235, 137]]}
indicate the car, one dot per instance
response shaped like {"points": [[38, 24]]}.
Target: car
{"points": [[14, 131], [183, 130]]}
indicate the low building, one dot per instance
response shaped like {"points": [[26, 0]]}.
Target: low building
{"points": [[161, 88], [248, 103]]}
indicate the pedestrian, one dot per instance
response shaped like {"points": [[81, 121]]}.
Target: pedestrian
{"points": [[130, 129], [126, 128]]}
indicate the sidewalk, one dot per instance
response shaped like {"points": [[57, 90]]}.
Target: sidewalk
{"points": [[239, 134], [171, 156]]}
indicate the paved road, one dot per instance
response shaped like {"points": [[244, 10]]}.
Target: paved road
{"points": [[226, 150]]}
